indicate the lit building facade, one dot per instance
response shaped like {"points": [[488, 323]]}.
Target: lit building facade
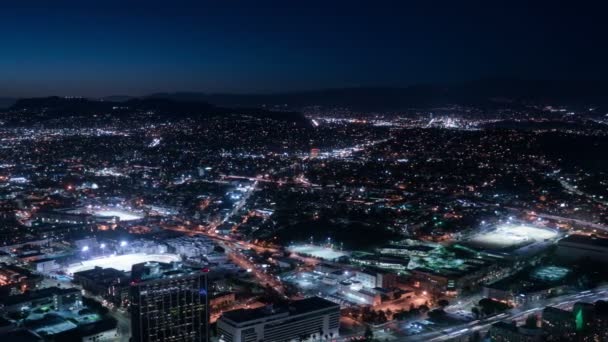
{"points": [[168, 303]]}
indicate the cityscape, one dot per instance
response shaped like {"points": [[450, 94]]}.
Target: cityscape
{"points": [[217, 206]]}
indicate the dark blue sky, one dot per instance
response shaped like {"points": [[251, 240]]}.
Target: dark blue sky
{"points": [[94, 48]]}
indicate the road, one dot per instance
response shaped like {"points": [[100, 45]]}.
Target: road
{"points": [[517, 314], [262, 278], [123, 326]]}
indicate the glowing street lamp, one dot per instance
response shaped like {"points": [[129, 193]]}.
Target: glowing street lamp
{"points": [[123, 243], [85, 248]]}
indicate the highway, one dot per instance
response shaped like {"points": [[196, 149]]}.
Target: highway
{"points": [[518, 314]]}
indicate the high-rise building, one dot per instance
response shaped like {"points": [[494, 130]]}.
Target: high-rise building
{"points": [[168, 303], [312, 318]]}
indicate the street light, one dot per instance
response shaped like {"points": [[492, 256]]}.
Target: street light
{"points": [[123, 243], [103, 245], [85, 248]]}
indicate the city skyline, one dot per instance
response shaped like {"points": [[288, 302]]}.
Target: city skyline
{"points": [[275, 171]]}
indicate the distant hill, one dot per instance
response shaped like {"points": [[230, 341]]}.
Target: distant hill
{"points": [[496, 92], [6, 102], [52, 109], [489, 92], [117, 98]]}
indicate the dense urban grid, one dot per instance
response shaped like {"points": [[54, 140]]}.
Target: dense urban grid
{"points": [[156, 220]]}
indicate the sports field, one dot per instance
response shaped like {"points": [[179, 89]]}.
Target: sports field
{"points": [[120, 262], [321, 252], [511, 235]]}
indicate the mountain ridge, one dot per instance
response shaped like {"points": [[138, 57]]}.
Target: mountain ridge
{"points": [[49, 109], [485, 92]]}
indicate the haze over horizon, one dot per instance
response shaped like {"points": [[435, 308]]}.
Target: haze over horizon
{"points": [[138, 48]]}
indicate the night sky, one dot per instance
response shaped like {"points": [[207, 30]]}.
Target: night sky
{"points": [[96, 48]]}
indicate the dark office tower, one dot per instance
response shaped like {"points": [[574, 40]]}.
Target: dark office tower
{"points": [[168, 303]]}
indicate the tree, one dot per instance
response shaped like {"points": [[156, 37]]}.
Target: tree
{"points": [[475, 312], [531, 321], [369, 334], [443, 303], [389, 313], [475, 337], [381, 317], [436, 314], [414, 312], [601, 307], [487, 310], [489, 306]]}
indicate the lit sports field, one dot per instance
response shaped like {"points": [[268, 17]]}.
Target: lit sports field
{"points": [[103, 211], [120, 262], [317, 251], [123, 215], [512, 235]]}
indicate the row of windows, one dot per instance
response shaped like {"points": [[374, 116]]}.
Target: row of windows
{"points": [[294, 329]]}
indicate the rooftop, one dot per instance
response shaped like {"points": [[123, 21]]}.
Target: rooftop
{"points": [[587, 240], [557, 311], [87, 330], [102, 275], [294, 308], [505, 326], [31, 295], [159, 270]]}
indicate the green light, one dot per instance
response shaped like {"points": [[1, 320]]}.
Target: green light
{"points": [[579, 320]]}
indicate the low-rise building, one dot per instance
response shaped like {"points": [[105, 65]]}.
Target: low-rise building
{"points": [[45, 265], [17, 279], [577, 247], [100, 331], [108, 283], [558, 324], [394, 263], [191, 247], [53, 297], [376, 278], [509, 332], [311, 318], [362, 296]]}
